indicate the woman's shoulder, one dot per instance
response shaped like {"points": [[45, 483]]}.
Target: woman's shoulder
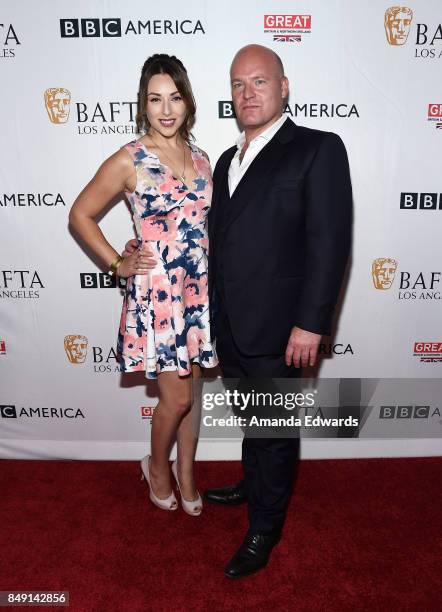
{"points": [[199, 151], [133, 147], [140, 153]]}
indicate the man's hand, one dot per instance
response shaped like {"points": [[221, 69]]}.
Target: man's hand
{"points": [[302, 348], [130, 247], [135, 260]]}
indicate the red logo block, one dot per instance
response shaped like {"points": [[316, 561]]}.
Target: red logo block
{"points": [[288, 22], [430, 348], [435, 110], [2, 347], [147, 411]]}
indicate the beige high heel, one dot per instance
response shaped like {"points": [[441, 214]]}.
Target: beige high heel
{"points": [[194, 507], [170, 503]]}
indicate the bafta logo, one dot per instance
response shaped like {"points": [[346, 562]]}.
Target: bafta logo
{"points": [[397, 22], [76, 348], [58, 103], [383, 270]]}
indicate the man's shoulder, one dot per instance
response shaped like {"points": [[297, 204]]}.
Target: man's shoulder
{"points": [[226, 156], [310, 135], [228, 152]]}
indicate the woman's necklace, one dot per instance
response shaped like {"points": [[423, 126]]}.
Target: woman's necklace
{"points": [[183, 173]]}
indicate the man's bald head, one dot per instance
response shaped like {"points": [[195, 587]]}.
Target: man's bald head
{"points": [[260, 53]]}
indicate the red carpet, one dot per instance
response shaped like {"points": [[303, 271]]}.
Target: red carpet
{"points": [[361, 535]]}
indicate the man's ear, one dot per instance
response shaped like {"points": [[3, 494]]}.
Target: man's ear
{"points": [[284, 87]]}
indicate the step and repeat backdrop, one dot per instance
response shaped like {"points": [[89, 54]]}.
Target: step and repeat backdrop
{"points": [[69, 73]]}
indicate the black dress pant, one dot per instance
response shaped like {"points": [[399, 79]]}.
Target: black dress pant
{"points": [[269, 463]]}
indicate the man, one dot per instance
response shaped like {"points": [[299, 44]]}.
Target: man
{"points": [[279, 228]]}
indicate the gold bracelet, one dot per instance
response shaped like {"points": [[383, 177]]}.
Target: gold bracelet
{"points": [[115, 265]]}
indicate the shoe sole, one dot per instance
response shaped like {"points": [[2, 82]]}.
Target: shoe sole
{"points": [[245, 574], [223, 503]]}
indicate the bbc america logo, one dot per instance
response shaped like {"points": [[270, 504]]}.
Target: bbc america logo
{"points": [[314, 109], [112, 27], [31, 200], [409, 412], [101, 280], [423, 201], [10, 411], [86, 28], [404, 412]]}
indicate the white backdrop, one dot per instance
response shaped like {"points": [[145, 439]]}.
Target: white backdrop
{"points": [[384, 100]]}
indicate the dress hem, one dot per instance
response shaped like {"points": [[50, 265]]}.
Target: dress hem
{"points": [[153, 375]]}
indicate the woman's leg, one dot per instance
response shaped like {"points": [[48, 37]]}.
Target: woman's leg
{"points": [[175, 397], [187, 440]]}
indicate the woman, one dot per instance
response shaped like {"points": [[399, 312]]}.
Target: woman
{"points": [[164, 327]]}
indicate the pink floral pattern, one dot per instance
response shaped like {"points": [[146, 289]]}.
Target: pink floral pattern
{"points": [[165, 322]]}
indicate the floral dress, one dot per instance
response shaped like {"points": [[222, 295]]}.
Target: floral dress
{"points": [[165, 322]]}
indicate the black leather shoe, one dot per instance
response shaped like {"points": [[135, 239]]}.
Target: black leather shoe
{"points": [[227, 496], [252, 555]]}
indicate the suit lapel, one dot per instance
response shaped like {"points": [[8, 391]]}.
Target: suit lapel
{"points": [[220, 182], [258, 173]]}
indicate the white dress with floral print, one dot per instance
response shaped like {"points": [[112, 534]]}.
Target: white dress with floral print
{"points": [[165, 322]]}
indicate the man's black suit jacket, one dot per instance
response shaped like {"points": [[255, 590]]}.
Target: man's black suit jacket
{"points": [[283, 238]]}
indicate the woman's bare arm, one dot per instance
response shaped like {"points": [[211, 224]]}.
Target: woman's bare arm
{"points": [[114, 176]]}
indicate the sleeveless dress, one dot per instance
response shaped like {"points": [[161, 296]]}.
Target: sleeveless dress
{"points": [[165, 322]]}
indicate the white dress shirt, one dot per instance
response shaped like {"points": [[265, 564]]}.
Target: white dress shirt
{"points": [[237, 169]]}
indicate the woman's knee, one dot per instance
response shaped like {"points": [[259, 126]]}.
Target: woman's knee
{"points": [[176, 394], [179, 402], [182, 403]]}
